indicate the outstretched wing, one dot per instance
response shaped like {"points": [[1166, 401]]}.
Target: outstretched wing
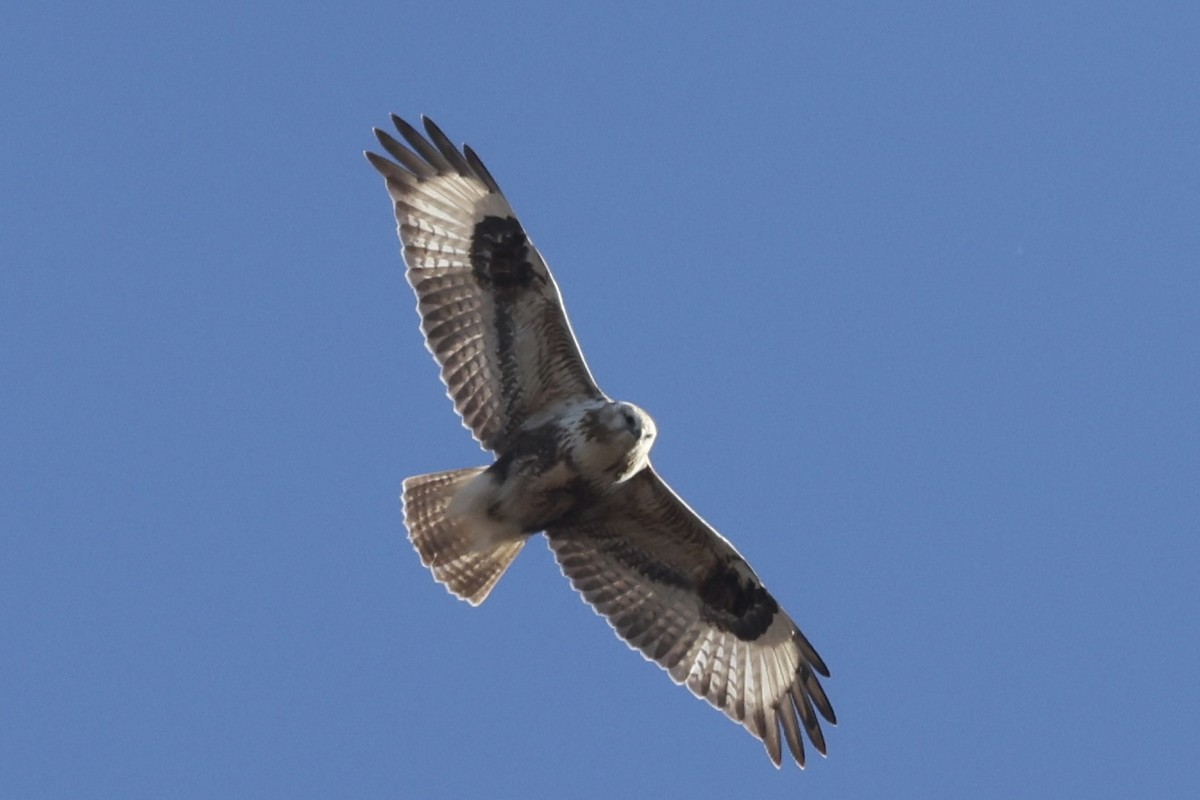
{"points": [[490, 310], [673, 588]]}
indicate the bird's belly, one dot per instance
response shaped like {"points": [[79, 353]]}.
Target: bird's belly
{"points": [[533, 500]]}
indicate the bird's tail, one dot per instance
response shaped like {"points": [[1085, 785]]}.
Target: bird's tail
{"points": [[465, 551]]}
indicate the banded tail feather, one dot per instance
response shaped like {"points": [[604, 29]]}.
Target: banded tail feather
{"points": [[464, 553]]}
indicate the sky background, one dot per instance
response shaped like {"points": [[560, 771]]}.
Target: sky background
{"points": [[911, 289]]}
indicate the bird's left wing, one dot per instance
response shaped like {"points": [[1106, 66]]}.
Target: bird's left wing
{"points": [[674, 589], [490, 310]]}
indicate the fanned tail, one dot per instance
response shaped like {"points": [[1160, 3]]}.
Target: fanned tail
{"points": [[462, 550]]}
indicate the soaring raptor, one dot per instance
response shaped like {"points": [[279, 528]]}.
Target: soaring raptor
{"points": [[571, 462]]}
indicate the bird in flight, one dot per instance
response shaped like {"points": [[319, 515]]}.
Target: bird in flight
{"points": [[571, 462]]}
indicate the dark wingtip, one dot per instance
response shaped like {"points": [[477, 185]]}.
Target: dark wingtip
{"points": [[377, 161], [810, 654], [480, 170], [433, 152], [422, 146], [403, 126], [446, 147], [411, 161], [384, 138]]}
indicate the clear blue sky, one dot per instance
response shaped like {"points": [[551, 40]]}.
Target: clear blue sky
{"points": [[912, 290]]}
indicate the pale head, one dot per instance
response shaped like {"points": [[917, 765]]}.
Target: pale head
{"points": [[641, 429]]}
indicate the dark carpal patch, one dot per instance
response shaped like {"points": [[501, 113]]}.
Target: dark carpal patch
{"points": [[499, 254], [737, 604]]}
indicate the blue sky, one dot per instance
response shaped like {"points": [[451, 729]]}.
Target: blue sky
{"points": [[911, 289]]}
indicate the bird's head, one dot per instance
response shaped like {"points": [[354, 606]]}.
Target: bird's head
{"points": [[641, 428]]}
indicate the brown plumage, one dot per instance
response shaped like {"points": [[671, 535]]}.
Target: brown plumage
{"points": [[573, 463]]}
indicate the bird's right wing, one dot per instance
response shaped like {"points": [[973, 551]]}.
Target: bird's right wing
{"points": [[490, 309]]}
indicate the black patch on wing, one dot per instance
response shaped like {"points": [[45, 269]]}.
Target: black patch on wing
{"points": [[737, 604], [499, 250]]}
